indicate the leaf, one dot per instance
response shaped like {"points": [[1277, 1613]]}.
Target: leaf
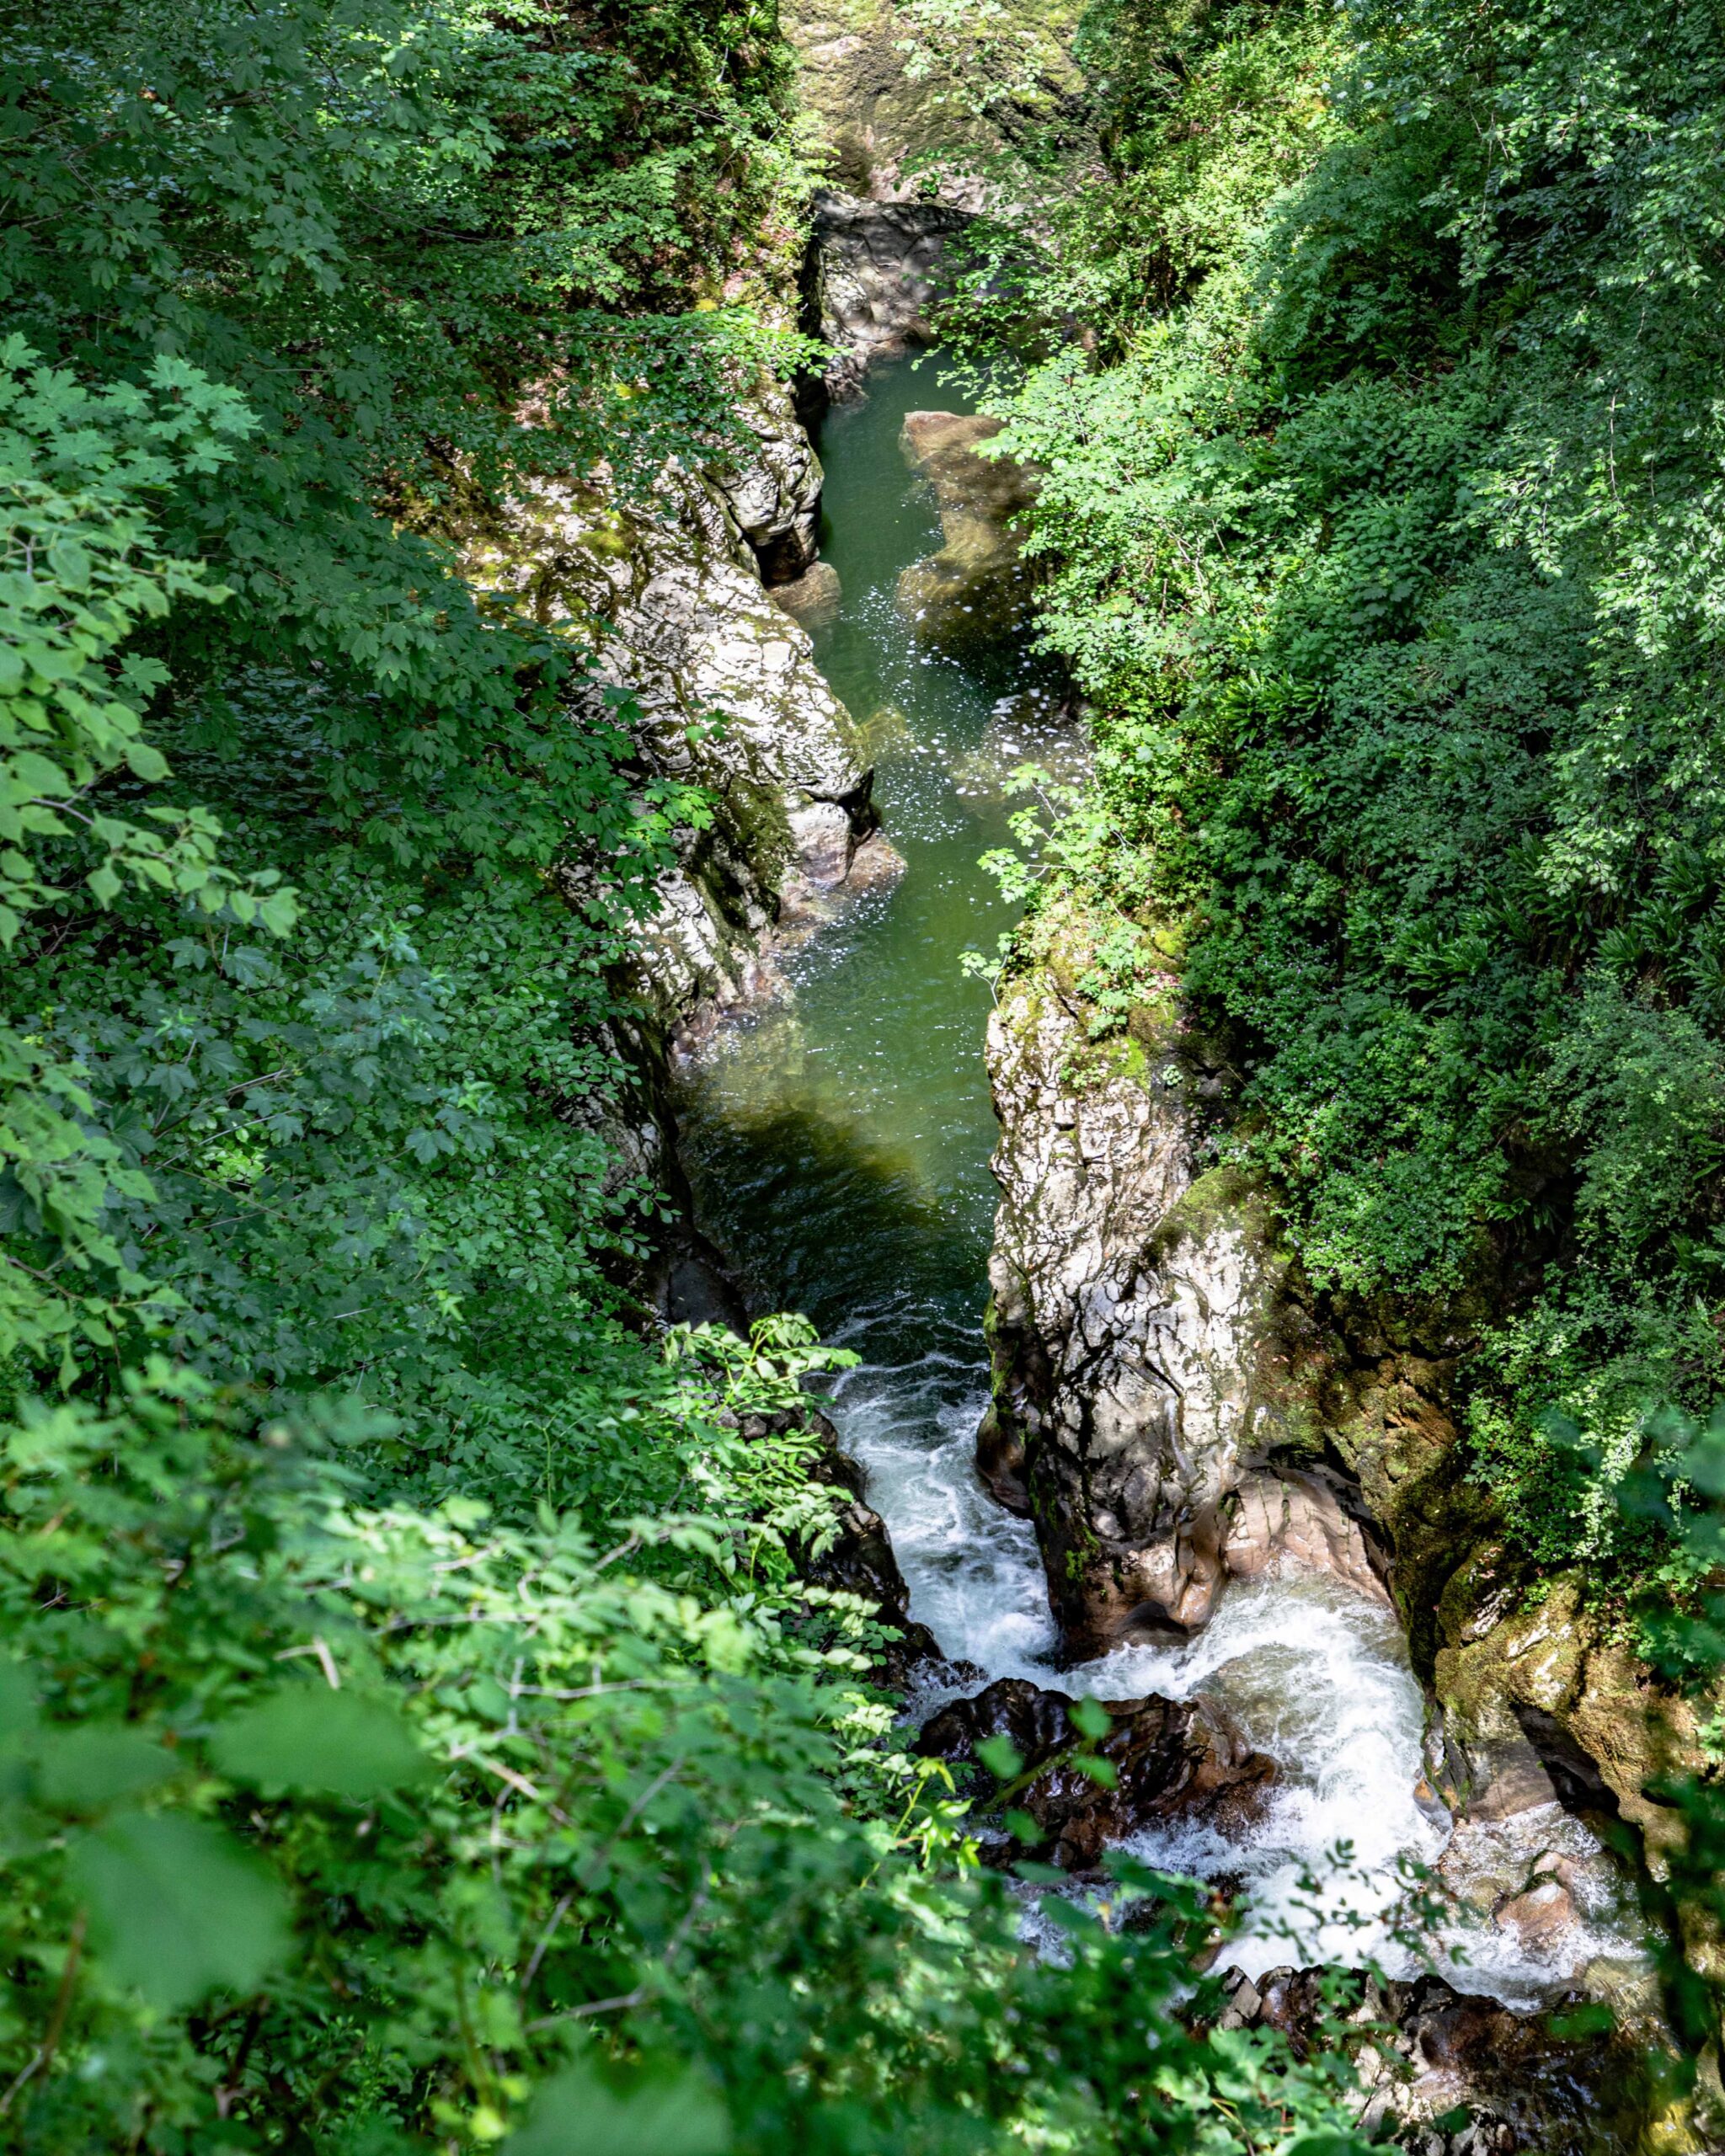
{"points": [[668, 2113], [83, 1769], [331, 1743], [1001, 1757], [1091, 1718], [18, 1702], [145, 762], [177, 1907]]}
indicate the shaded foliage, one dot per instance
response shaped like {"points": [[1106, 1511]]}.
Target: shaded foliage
{"points": [[1385, 542]]}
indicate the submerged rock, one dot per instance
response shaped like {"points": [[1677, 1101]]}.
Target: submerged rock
{"points": [[1171, 1760], [811, 597], [977, 588]]}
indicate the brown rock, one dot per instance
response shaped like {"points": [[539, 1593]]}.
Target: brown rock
{"points": [[1288, 1520], [1540, 1916], [1171, 1760], [811, 597], [1426, 2051]]}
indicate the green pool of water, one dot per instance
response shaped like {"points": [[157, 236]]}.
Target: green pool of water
{"points": [[838, 1143]]}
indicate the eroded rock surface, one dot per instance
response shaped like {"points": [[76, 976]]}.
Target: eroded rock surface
{"points": [[1184, 1760], [881, 117], [773, 492], [1451, 2074], [874, 267], [1139, 1364], [669, 599]]}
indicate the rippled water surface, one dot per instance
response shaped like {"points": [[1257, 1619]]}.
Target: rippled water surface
{"points": [[838, 1145]]}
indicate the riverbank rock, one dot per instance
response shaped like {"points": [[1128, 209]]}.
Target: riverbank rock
{"points": [[1448, 2073], [978, 589], [886, 100], [1172, 1759], [860, 1562], [1141, 1358], [667, 597], [772, 492], [1541, 1707], [873, 269]]}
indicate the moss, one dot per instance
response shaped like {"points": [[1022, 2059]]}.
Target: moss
{"points": [[1224, 1196]]}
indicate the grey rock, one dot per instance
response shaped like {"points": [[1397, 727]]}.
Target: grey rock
{"points": [[668, 600], [773, 492], [1139, 1367], [875, 266]]}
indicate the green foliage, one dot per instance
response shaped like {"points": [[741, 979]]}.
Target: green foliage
{"points": [[1386, 544], [414, 1730]]}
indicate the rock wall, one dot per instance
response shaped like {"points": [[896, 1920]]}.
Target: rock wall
{"points": [[873, 267], [1174, 1407], [889, 100], [1146, 1361], [723, 694]]}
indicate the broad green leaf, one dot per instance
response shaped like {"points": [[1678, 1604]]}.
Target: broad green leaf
{"points": [[1091, 1718], [308, 1738], [1001, 1757], [83, 1769], [667, 2113], [178, 1907]]}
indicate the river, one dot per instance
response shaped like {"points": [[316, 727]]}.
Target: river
{"points": [[837, 1145]]}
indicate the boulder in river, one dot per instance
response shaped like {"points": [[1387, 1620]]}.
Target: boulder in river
{"points": [[1451, 2073], [1140, 1363], [1171, 1760]]}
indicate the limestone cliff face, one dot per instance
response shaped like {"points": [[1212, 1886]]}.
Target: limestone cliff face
{"points": [[887, 95], [723, 693], [1145, 1360]]}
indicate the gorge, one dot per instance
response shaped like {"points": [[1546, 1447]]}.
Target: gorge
{"points": [[862, 1079]]}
